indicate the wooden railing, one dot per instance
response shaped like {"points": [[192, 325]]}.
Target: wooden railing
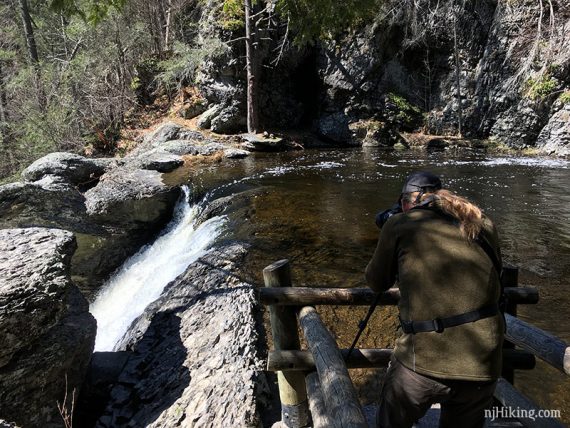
{"points": [[314, 384]]}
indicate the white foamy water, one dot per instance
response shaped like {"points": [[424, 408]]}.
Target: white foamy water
{"points": [[142, 278]]}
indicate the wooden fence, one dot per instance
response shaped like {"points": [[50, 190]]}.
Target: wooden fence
{"points": [[315, 388]]}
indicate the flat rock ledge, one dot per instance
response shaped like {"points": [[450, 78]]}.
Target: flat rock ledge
{"points": [[46, 330], [194, 358]]}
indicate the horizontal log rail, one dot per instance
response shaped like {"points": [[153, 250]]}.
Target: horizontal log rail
{"points": [[305, 296], [544, 345], [321, 374], [512, 398], [374, 358]]}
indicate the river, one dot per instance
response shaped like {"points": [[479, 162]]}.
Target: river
{"points": [[317, 209]]}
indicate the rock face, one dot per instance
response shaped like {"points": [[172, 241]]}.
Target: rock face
{"points": [[46, 330], [497, 78], [194, 359], [555, 136]]}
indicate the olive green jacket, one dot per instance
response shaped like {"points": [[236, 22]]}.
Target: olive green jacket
{"points": [[441, 274]]}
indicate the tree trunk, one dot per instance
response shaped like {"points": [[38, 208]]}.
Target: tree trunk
{"points": [[167, 25], [252, 110], [3, 112], [33, 52], [457, 75], [29, 32], [6, 155]]}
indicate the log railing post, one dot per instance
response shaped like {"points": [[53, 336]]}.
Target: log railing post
{"points": [[341, 400], [292, 389], [317, 402], [509, 278]]}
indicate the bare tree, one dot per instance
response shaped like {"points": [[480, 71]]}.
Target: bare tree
{"points": [[457, 74], [167, 24], [29, 32], [251, 68]]}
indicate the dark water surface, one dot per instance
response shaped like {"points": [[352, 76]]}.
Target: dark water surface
{"points": [[317, 209]]}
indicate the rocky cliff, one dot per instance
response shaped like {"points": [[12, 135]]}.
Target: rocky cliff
{"points": [[492, 69], [46, 330]]}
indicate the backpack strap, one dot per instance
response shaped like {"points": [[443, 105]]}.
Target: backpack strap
{"points": [[440, 324]]}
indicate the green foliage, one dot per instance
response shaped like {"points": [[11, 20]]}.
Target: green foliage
{"points": [[325, 19], [181, 68], [92, 11], [564, 98], [406, 114], [233, 15], [540, 87]]}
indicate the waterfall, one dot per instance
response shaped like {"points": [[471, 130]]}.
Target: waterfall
{"points": [[142, 278]]}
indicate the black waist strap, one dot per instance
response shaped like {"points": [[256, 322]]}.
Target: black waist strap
{"points": [[440, 324]]}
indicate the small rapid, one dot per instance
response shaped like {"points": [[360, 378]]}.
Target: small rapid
{"points": [[143, 277]]}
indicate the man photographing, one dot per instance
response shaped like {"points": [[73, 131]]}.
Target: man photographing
{"points": [[445, 256]]}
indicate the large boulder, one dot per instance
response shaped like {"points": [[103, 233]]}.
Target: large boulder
{"points": [[555, 136], [194, 358], [74, 169], [158, 160], [46, 330], [166, 132], [130, 197], [229, 120]]}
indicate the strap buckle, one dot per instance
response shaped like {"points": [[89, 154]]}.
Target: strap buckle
{"points": [[438, 325], [407, 326]]}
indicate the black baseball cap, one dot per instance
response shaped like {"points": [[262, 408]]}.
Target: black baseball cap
{"points": [[421, 181]]}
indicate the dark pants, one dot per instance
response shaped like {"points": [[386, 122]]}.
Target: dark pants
{"points": [[407, 396]]}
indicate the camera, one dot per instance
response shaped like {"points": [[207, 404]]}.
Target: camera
{"points": [[382, 217]]}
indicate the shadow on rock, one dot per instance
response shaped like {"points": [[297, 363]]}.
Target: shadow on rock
{"points": [[153, 377]]}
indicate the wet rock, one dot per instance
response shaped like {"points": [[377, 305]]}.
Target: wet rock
{"points": [[70, 167], [235, 153], [334, 127], [555, 136], [261, 143], [372, 133], [194, 352], [46, 330]]}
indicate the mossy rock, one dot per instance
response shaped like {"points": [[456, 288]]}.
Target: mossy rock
{"points": [[372, 133]]}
